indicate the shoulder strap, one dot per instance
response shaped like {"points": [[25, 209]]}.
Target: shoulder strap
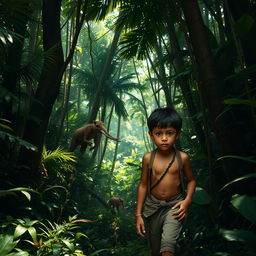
{"points": [[151, 160], [180, 164], [179, 159]]}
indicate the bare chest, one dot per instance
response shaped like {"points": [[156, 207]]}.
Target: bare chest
{"points": [[159, 169]]}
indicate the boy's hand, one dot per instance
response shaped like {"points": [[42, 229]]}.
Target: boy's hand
{"points": [[140, 228], [181, 213]]}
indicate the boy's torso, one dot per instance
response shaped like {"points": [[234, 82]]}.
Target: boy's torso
{"points": [[170, 185]]}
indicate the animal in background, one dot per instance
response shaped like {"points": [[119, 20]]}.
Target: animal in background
{"points": [[83, 135], [115, 203]]}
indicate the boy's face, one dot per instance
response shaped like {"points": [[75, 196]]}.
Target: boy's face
{"points": [[164, 138]]}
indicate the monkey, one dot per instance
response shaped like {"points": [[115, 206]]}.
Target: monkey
{"points": [[115, 203], [83, 135]]}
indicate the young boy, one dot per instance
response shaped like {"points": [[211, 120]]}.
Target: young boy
{"points": [[161, 188]]}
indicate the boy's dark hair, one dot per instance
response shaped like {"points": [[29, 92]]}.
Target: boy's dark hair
{"points": [[163, 118]]}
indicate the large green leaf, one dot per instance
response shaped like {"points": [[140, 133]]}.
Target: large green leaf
{"points": [[247, 159], [239, 235], [11, 191], [247, 176], [246, 206], [15, 139], [234, 101], [20, 253], [19, 230], [201, 196], [7, 244], [33, 233], [70, 245]]}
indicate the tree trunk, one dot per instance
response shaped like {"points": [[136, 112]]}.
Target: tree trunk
{"points": [[209, 83], [160, 81], [46, 93], [185, 87], [141, 94], [162, 74], [67, 86], [98, 95], [49, 84], [106, 139], [157, 100], [117, 143]]}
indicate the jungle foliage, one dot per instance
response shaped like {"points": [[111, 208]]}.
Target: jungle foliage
{"points": [[65, 63]]}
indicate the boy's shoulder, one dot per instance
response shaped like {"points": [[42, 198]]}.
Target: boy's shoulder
{"points": [[184, 156], [146, 157]]}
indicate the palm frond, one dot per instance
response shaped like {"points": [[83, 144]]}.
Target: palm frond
{"points": [[98, 9], [137, 42], [58, 155], [118, 103]]}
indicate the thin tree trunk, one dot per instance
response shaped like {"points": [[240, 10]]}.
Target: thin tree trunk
{"points": [[98, 95], [152, 86], [141, 94], [67, 85], [117, 143], [160, 80], [162, 74], [106, 139]]}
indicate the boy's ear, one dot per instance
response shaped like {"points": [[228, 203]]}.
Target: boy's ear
{"points": [[150, 133]]}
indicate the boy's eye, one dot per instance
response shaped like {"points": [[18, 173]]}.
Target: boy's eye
{"points": [[158, 133], [169, 133]]}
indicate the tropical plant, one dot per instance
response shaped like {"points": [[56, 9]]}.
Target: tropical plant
{"points": [[45, 239]]}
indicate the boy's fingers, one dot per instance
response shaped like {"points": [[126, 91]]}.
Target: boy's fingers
{"points": [[177, 212], [176, 205], [141, 230]]}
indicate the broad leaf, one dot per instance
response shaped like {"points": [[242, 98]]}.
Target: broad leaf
{"points": [[246, 206], [20, 253], [19, 230], [7, 244], [247, 176], [201, 196], [239, 235], [32, 232], [247, 159], [234, 101]]}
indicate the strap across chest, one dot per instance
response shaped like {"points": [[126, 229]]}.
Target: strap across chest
{"points": [[150, 169]]}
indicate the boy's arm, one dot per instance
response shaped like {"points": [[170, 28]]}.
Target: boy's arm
{"points": [[191, 184], [141, 195]]}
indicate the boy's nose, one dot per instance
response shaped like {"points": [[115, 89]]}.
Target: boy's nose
{"points": [[164, 137]]}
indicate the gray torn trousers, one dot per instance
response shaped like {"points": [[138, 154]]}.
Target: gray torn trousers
{"points": [[161, 227]]}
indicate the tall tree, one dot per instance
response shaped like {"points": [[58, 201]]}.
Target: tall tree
{"points": [[50, 81], [209, 83]]}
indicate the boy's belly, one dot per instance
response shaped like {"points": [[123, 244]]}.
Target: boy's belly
{"points": [[166, 189]]}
